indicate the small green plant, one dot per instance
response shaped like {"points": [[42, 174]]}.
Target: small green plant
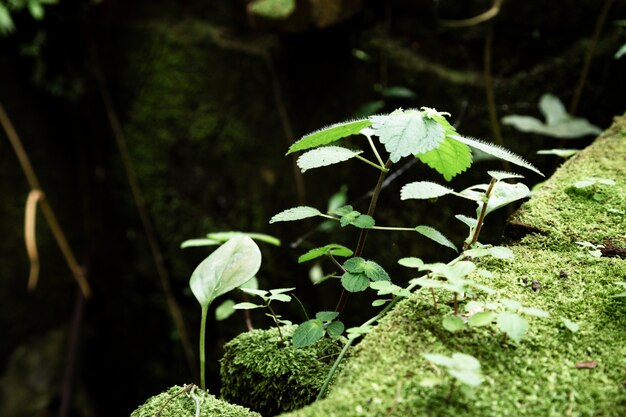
{"points": [[462, 368], [277, 294], [313, 330], [229, 266]]}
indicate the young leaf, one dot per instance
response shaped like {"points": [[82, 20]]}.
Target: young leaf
{"points": [[355, 265], [407, 133], [436, 235], [356, 332], [295, 213], [363, 221], [261, 237], [535, 312], [503, 175], [229, 266], [375, 272], [469, 221], [502, 194], [246, 306], [498, 252], [332, 249], [497, 151], [224, 310], [411, 262], [193, 243], [378, 303], [453, 324], [324, 156], [329, 134], [308, 333], [327, 315], [354, 282], [450, 157], [513, 325], [570, 325], [482, 318], [335, 329], [272, 9], [280, 297], [423, 190]]}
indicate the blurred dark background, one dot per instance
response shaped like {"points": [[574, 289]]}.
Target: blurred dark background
{"points": [[208, 96]]}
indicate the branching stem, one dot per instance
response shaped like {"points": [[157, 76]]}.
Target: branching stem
{"points": [[483, 213]]}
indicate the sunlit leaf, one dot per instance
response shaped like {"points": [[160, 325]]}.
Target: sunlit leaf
{"points": [[324, 156], [192, 243], [272, 9], [224, 310], [246, 306], [407, 133], [424, 190], [329, 134], [332, 249], [482, 318], [436, 236], [295, 213], [453, 323], [512, 325]]}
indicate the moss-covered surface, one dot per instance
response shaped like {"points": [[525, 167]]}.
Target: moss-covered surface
{"points": [[552, 371], [262, 372], [181, 402]]}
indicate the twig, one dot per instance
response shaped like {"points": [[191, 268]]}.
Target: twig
{"points": [[140, 203], [70, 356], [573, 107], [475, 20], [30, 236], [46, 209]]}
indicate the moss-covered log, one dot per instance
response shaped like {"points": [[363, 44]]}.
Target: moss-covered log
{"points": [[552, 371]]}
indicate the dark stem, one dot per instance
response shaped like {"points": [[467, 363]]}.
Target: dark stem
{"points": [[432, 292], [339, 266], [363, 235], [247, 315]]}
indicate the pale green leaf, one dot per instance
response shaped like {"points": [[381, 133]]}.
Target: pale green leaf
{"points": [[563, 153], [329, 135], [411, 262], [375, 272], [295, 213], [6, 22], [255, 291], [225, 310], [308, 333], [440, 360], [327, 315], [620, 52], [482, 318], [512, 325], [261, 237], [398, 92], [498, 252], [552, 108], [570, 325], [324, 156], [281, 290], [502, 194], [407, 133], [531, 311], [280, 297], [192, 243], [272, 9], [453, 323], [246, 306], [503, 175], [470, 378], [424, 190], [436, 236], [469, 221], [378, 303], [497, 151], [229, 266]]}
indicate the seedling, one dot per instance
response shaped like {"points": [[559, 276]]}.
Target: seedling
{"points": [[313, 330], [267, 297], [229, 266], [462, 368]]}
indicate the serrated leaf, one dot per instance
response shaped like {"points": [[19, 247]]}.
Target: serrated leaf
{"points": [[513, 325], [449, 159], [225, 310], [375, 272], [503, 175], [335, 329], [422, 190], [229, 266], [354, 282], [482, 318], [343, 210], [435, 235], [295, 213], [276, 291], [407, 133], [308, 333], [453, 323], [327, 315], [246, 306], [354, 265], [324, 156], [349, 218], [333, 249], [329, 134], [497, 151]]}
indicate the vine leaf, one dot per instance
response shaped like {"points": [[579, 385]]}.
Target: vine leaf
{"points": [[327, 155], [295, 213], [407, 133], [436, 235], [497, 151], [329, 134]]}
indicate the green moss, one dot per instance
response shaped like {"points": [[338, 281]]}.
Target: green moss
{"points": [[261, 372], [173, 403], [539, 376]]}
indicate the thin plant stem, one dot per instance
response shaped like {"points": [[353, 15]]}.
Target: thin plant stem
{"points": [[46, 209], [280, 334], [205, 310], [363, 235], [306, 316], [432, 292], [30, 235], [371, 142], [367, 161], [483, 213], [332, 258], [182, 390], [399, 229]]}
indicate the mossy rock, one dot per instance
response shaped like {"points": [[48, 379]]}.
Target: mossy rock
{"points": [[177, 402], [553, 371], [268, 375]]}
